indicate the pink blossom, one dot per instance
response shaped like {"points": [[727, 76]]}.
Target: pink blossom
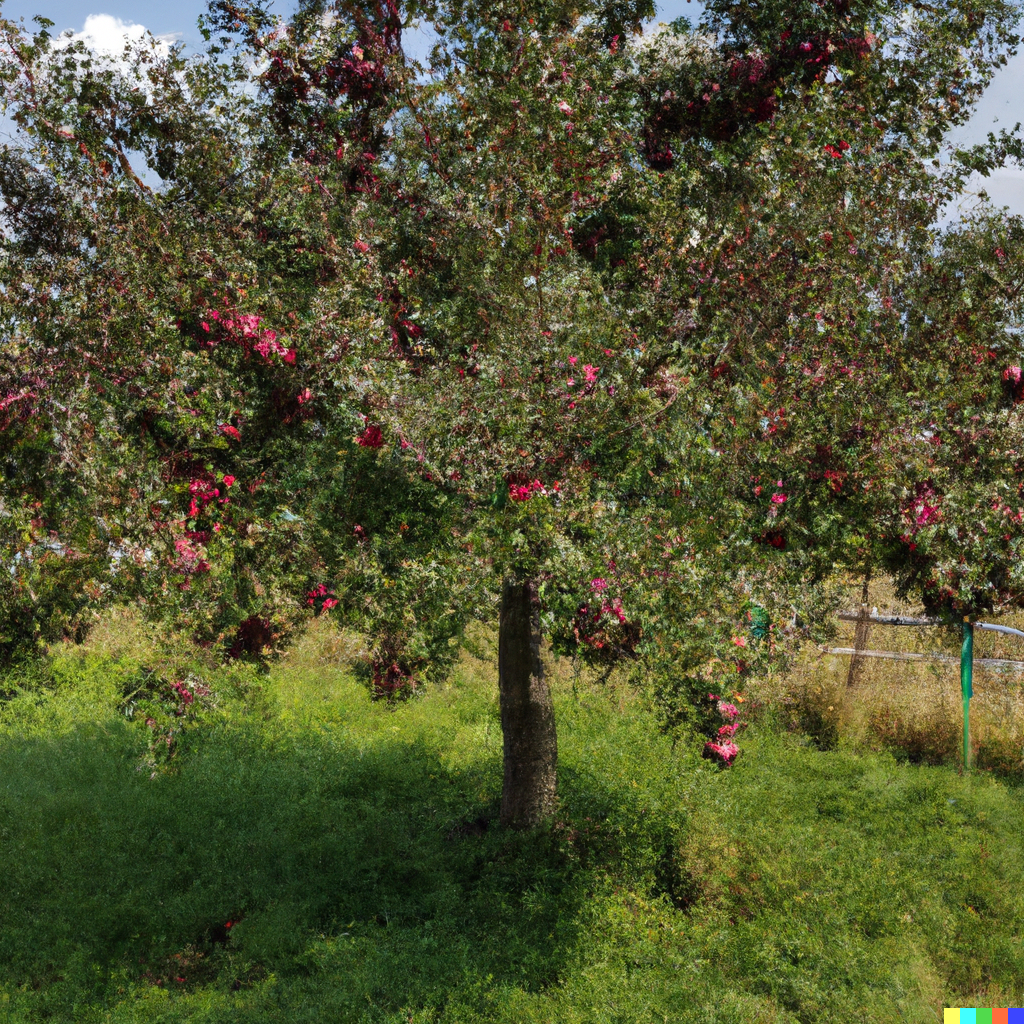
{"points": [[564, 107], [599, 584], [573, 360], [590, 372], [523, 492], [329, 602], [728, 710], [1012, 373], [188, 560], [926, 506], [728, 730], [740, 641], [228, 480], [245, 329], [726, 752], [778, 499], [371, 437]]}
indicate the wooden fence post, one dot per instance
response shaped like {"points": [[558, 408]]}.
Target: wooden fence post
{"points": [[860, 634]]}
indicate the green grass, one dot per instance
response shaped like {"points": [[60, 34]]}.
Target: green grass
{"points": [[797, 886]]}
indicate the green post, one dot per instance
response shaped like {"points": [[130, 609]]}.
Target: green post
{"points": [[966, 670]]}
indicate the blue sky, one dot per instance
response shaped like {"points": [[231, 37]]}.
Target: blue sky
{"points": [[179, 18], [1001, 107]]}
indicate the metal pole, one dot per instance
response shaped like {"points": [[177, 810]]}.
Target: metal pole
{"points": [[966, 668]]}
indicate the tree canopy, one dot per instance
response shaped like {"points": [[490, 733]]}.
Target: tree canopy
{"points": [[652, 331]]}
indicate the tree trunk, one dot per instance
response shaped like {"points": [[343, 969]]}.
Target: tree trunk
{"points": [[527, 714]]}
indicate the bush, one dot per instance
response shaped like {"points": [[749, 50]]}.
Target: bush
{"points": [[816, 711], [1001, 755], [932, 739]]}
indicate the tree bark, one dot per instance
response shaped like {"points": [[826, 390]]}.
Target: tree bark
{"points": [[527, 713]]}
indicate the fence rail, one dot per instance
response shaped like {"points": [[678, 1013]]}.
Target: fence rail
{"points": [[864, 621], [995, 663]]}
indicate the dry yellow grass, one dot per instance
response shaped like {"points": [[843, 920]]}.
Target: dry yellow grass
{"points": [[908, 703]]}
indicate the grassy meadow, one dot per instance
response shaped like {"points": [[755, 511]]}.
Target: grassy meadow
{"points": [[308, 855]]}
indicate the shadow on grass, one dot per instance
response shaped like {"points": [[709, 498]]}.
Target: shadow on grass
{"points": [[323, 855]]}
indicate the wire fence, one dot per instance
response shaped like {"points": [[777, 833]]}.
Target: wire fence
{"points": [[860, 650]]}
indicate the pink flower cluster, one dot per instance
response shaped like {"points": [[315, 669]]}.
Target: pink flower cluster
{"points": [[189, 558], [725, 751], [723, 748], [925, 508], [9, 406], [593, 620], [186, 693], [203, 492], [322, 596], [590, 373], [245, 330], [614, 607], [1013, 378], [371, 437], [524, 492]]}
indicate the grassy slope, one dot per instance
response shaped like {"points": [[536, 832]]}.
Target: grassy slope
{"points": [[798, 886]]}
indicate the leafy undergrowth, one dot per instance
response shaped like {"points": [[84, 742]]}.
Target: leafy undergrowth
{"points": [[316, 857]]}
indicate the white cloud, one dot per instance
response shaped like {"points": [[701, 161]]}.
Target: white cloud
{"points": [[103, 33]]}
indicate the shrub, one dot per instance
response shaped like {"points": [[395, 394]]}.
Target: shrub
{"points": [[1001, 755], [816, 711], [931, 739]]}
